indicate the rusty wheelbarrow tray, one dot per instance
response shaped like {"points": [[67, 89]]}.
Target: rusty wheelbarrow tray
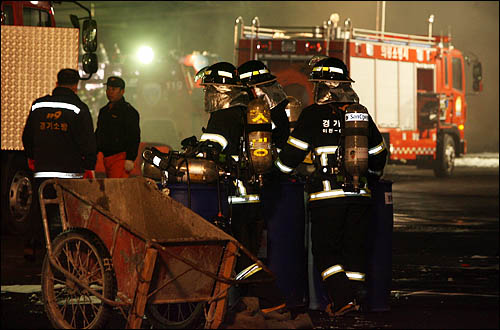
{"points": [[126, 245]]}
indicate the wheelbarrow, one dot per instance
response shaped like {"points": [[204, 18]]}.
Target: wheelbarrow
{"points": [[126, 246]]}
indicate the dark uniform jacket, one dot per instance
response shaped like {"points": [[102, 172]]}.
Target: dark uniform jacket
{"points": [[226, 128], [280, 119], [118, 130], [319, 131], [59, 135]]}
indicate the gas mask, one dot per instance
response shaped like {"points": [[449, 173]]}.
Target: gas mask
{"points": [[272, 93], [334, 91], [218, 97]]}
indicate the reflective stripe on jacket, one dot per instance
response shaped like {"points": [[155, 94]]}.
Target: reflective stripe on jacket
{"points": [[319, 131]]}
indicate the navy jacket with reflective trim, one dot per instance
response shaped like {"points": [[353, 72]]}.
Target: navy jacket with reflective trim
{"points": [[229, 123], [320, 126], [59, 134]]}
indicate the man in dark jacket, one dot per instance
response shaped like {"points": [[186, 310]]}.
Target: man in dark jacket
{"points": [[338, 201], [118, 134], [59, 140]]}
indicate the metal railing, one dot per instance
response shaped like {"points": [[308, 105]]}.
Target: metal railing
{"points": [[325, 32]]}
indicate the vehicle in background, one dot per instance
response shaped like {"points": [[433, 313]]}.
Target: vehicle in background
{"points": [[33, 51], [412, 85]]}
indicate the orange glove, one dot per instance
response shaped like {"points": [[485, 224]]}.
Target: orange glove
{"points": [[31, 164], [89, 174]]}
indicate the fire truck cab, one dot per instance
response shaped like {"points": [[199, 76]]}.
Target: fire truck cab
{"points": [[412, 85], [27, 13]]}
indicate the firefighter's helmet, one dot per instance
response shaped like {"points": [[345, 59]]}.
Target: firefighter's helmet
{"points": [[255, 72], [330, 68], [222, 73]]}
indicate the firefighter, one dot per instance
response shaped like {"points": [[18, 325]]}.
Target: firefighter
{"points": [[262, 84], [226, 100], [59, 142], [339, 200], [118, 133]]}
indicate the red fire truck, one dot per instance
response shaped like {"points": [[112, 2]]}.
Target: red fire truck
{"points": [[412, 85]]}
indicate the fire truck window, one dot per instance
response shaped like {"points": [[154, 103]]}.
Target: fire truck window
{"points": [[425, 80], [446, 71], [35, 17], [7, 15], [457, 73]]}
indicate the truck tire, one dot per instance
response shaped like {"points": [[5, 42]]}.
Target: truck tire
{"points": [[68, 305], [17, 194], [445, 158]]}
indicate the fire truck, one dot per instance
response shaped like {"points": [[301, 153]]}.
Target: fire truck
{"points": [[33, 50], [412, 85]]}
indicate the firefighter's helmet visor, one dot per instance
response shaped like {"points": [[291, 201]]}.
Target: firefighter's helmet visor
{"points": [[324, 93], [218, 97]]}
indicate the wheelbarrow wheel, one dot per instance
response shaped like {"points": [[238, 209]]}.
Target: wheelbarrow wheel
{"points": [[67, 304], [175, 315]]}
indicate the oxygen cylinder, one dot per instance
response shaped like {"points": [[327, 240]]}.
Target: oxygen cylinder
{"points": [[356, 142], [293, 110], [200, 170], [259, 136]]}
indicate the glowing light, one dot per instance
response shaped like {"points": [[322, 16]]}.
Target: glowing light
{"points": [[461, 127], [145, 54]]}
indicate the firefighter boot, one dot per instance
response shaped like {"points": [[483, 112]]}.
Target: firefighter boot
{"points": [[350, 307], [279, 313]]}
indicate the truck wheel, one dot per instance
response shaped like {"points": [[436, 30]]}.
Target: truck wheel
{"points": [[445, 159], [175, 315], [67, 304], [17, 195]]}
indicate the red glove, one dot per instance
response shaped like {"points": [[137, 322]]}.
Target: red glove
{"points": [[89, 174], [31, 164]]}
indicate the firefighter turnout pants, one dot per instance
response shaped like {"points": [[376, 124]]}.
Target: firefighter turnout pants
{"points": [[247, 227], [338, 235]]}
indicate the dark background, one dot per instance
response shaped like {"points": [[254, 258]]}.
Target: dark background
{"points": [[208, 25]]}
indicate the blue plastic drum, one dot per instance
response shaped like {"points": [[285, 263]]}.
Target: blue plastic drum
{"points": [[204, 199], [284, 212]]}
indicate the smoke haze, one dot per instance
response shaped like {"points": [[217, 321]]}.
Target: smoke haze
{"points": [[185, 26]]}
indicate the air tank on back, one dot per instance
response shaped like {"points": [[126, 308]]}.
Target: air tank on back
{"points": [[293, 110], [259, 136], [356, 142]]}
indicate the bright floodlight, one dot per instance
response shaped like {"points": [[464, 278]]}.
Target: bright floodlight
{"points": [[145, 54], [335, 18]]}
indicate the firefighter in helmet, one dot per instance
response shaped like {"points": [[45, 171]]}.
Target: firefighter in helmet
{"points": [[348, 155], [226, 99]]}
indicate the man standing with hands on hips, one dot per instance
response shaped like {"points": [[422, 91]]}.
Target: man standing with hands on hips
{"points": [[118, 133]]}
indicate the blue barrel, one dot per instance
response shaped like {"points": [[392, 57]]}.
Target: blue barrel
{"points": [[379, 249], [284, 212], [204, 199], [379, 256]]}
